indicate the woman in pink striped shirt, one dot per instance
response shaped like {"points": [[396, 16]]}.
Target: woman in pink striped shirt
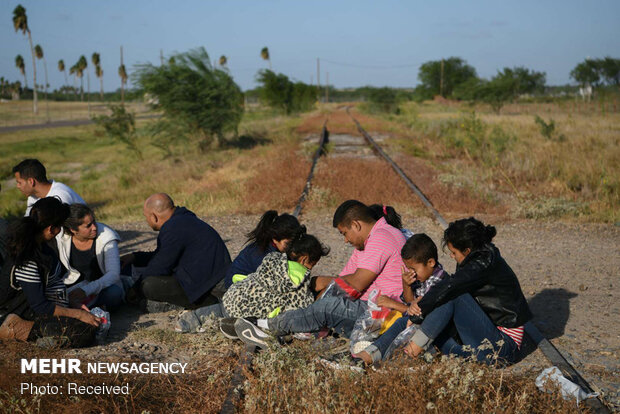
{"points": [[482, 298]]}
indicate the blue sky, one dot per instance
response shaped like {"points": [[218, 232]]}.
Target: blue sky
{"points": [[380, 43]]}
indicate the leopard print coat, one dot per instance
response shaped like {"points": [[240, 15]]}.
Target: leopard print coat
{"points": [[266, 289]]}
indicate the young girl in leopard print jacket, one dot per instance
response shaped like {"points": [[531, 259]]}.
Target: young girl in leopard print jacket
{"points": [[281, 282]]}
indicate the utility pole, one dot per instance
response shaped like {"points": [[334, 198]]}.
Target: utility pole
{"points": [[318, 78], [441, 80], [161, 56], [88, 82], [122, 82], [327, 88]]}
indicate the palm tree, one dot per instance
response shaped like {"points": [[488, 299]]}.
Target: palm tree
{"points": [[81, 66], [122, 72], [63, 69], [38, 50], [96, 59], [264, 53], [21, 65], [20, 22], [73, 71]]}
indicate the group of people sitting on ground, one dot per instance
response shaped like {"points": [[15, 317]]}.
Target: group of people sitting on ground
{"points": [[58, 262]]}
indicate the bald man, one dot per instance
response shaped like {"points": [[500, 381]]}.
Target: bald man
{"points": [[188, 266]]}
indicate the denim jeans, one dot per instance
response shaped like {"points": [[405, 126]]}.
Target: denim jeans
{"points": [[336, 313], [215, 310], [384, 341], [473, 326]]}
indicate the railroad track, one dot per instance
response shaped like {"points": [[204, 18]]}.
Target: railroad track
{"points": [[552, 354]]}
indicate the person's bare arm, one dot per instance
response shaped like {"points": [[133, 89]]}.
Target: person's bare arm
{"points": [[361, 279], [319, 283], [388, 302]]}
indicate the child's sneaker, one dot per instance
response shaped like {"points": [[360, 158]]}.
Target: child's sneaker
{"points": [[251, 334], [227, 327]]}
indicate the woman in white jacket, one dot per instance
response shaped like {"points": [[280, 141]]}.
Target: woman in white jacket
{"points": [[89, 252]]}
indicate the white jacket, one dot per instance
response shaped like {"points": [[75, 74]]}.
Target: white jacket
{"points": [[106, 249]]}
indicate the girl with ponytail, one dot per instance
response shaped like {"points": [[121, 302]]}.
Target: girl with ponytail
{"points": [[482, 300], [37, 274], [272, 233], [391, 217]]}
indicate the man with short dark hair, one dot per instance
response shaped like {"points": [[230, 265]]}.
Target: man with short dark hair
{"points": [[188, 267], [31, 180], [375, 264]]}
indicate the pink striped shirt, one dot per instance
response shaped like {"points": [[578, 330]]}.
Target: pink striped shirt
{"points": [[381, 255]]}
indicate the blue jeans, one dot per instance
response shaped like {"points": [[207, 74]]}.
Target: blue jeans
{"points": [[215, 310], [384, 341], [110, 297], [338, 314], [473, 326]]}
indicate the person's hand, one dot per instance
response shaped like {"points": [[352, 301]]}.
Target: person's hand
{"points": [[88, 317], [414, 309], [127, 259], [409, 276], [385, 301], [77, 298]]}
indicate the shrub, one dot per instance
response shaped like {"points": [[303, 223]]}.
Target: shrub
{"points": [[548, 129], [190, 90], [120, 126]]}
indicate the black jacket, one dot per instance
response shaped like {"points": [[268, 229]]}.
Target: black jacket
{"points": [[190, 250], [487, 277]]}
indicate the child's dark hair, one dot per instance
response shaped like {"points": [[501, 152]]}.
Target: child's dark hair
{"points": [[273, 226], [420, 248], [468, 233], [306, 244], [24, 236], [77, 212], [391, 216], [352, 210]]}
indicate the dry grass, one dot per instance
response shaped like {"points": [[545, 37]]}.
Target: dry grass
{"points": [[203, 390], [577, 176], [338, 121], [292, 380]]}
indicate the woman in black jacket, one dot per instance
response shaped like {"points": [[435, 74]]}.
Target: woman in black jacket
{"points": [[37, 273], [482, 300]]}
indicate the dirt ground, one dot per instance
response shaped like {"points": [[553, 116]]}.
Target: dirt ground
{"points": [[568, 272]]}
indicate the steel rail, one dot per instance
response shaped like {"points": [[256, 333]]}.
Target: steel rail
{"points": [[320, 151]]}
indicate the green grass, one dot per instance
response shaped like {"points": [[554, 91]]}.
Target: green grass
{"points": [[108, 176]]}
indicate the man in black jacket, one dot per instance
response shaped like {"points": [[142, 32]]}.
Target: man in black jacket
{"points": [[188, 267]]}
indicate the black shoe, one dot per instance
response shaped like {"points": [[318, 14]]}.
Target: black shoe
{"points": [[227, 327], [251, 334], [417, 319]]}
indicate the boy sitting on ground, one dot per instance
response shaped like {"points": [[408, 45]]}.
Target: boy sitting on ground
{"points": [[421, 273]]}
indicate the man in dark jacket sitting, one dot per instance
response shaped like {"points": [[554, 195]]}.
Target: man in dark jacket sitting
{"points": [[188, 267]]}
